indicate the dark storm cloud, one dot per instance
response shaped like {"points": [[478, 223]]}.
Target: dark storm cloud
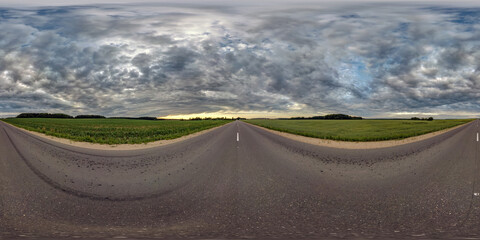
{"points": [[160, 59]]}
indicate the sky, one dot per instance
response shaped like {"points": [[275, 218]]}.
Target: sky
{"points": [[181, 59]]}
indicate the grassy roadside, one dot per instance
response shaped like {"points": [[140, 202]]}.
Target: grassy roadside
{"points": [[358, 130], [114, 131]]}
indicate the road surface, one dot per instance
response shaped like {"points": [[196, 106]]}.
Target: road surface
{"points": [[239, 181]]}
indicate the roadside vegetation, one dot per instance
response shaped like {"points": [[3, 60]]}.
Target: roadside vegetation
{"points": [[355, 130], [114, 131]]}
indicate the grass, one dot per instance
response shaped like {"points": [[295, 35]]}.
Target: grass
{"points": [[114, 131], [358, 130]]}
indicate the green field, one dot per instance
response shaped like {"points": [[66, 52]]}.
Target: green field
{"points": [[114, 131], [358, 130]]}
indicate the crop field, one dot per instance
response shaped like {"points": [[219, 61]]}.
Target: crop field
{"points": [[114, 131], [358, 130]]}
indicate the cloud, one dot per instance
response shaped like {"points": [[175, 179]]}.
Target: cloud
{"points": [[175, 59]]}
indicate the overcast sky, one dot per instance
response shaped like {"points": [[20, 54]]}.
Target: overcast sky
{"points": [[250, 58]]}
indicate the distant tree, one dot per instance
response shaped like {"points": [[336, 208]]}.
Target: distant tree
{"points": [[430, 119], [414, 118]]}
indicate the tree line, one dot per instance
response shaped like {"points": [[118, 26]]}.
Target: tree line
{"points": [[426, 119], [43, 115], [336, 116], [210, 118], [62, 115], [55, 115]]}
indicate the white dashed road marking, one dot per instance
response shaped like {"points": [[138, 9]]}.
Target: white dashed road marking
{"points": [[238, 137]]}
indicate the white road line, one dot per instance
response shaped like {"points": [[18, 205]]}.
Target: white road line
{"points": [[477, 137], [238, 137], [476, 194]]}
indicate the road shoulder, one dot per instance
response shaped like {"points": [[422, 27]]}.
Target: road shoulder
{"points": [[98, 146], [357, 145]]}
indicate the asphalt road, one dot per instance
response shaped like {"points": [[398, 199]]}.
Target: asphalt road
{"points": [[239, 181]]}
